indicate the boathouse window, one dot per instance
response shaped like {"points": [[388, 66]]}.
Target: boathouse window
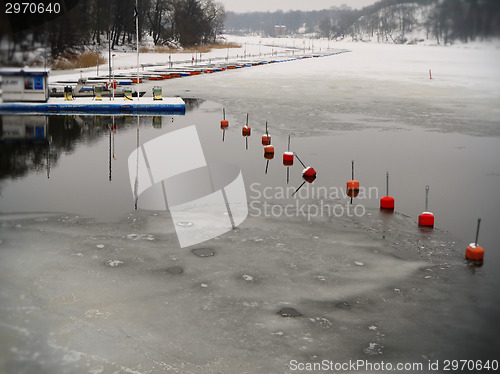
{"points": [[35, 83], [38, 82], [28, 83]]}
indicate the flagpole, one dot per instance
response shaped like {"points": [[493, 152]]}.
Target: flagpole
{"points": [[137, 37]]}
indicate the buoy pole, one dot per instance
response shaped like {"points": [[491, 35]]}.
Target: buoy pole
{"points": [[387, 183], [110, 131], [352, 169], [267, 165], [266, 139], [297, 190], [477, 230], [288, 168], [430, 74], [136, 184], [136, 14], [246, 137], [426, 198], [300, 160], [114, 132]]}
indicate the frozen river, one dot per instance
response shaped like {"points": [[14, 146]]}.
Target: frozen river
{"points": [[91, 285]]}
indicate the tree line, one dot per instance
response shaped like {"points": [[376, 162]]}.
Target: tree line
{"points": [[388, 20], [179, 23]]}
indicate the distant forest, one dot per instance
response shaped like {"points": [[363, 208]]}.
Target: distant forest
{"points": [[386, 20], [92, 22]]}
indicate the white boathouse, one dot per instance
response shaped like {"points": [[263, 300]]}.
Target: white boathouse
{"points": [[27, 84]]}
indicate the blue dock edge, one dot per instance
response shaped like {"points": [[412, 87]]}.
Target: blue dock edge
{"points": [[95, 108]]}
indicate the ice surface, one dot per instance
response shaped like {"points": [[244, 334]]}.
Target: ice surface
{"points": [[123, 308]]}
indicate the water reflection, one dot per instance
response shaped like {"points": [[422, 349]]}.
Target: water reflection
{"points": [[73, 163], [24, 145], [32, 143]]}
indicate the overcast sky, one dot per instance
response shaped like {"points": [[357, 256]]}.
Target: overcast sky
{"points": [[241, 6]]}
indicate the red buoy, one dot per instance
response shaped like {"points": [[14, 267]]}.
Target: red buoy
{"points": [[288, 158], [352, 185], [474, 251], [309, 172], [426, 219], [309, 179], [387, 202]]}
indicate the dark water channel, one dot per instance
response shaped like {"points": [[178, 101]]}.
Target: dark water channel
{"points": [[84, 169]]}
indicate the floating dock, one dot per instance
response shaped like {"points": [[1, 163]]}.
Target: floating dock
{"points": [[145, 105]]}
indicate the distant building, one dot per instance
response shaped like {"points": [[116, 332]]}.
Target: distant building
{"points": [[279, 30], [24, 84]]}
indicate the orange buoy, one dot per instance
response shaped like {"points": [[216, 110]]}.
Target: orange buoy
{"points": [[246, 131], [224, 124], [387, 202], [426, 219], [474, 251], [268, 150], [352, 185]]}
